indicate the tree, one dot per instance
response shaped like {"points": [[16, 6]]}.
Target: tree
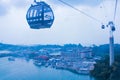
{"points": [[103, 71]]}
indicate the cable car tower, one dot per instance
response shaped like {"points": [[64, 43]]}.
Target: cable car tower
{"points": [[40, 15], [111, 25]]}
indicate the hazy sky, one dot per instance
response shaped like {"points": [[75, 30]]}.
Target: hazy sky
{"points": [[70, 26]]}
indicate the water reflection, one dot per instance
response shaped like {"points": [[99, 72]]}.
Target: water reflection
{"points": [[21, 69]]}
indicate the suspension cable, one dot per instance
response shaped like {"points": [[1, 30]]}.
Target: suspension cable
{"points": [[95, 19], [115, 9]]}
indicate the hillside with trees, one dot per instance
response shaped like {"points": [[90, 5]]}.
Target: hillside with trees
{"points": [[103, 50], [103, 71]]}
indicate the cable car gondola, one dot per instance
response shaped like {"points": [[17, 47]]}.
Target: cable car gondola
{"points": [[40, 15]]}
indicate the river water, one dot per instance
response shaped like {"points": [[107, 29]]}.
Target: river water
{"points": [[21, 69]]}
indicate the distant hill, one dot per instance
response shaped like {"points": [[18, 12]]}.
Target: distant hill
{"points": [[25, 47], [102, 50]]}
